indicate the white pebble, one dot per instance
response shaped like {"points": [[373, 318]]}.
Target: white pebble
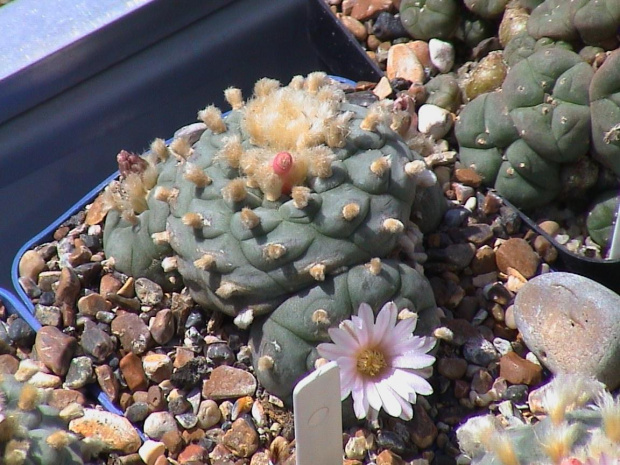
{"points": [[244, 319], [442, 55], [434, 121], [150, 451]]}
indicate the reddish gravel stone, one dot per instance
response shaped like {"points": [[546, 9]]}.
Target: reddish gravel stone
{"points": [[517, 370], [518, 254], [55, 349]]}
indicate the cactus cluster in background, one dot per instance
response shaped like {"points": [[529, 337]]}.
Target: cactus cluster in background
{"points": [[581, 424], [291, 192], [32, 432]]}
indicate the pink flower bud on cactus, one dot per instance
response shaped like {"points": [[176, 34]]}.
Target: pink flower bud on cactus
{"points": [[282, 164]]}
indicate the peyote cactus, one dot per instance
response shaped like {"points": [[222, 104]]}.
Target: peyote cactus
{"points": [[605, 105], [427, 19], [32, 432], [582, 423], [602, 217], [595, 22], [519, 138], [292, 187]]}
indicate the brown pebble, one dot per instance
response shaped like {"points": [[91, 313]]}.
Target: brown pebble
{"points": [[387, 457], [518, 254], [422, 428], [55, 349], [481, 381], [550, 227], [468, 176], [420, 48], [491, 204], [403, 63], [461, 389], [452, 367], [173, 441], [227, 382], [545, 249], [162, 460], [241, 439], [355, 27], [61, 232], [68, 287], [8, 364], [261, 457], [367, 9], [162, 326], [155, 399], [90, 304], [107, 381], [131, 368], [183, 355], [132, 332], [61, 398], [517, 370], [31, 264], [109, 284]]}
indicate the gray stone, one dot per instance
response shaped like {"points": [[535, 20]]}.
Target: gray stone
{"points": [[96, 342], [480, 351], [48, 315], [572, 324], [80, 373], [159, 423], [148, 292]]}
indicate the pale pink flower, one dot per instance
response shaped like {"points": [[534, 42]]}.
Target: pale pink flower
{"points": [[382, 364]]}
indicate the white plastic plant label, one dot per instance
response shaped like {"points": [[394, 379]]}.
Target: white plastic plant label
{"points": [[318, 417]]}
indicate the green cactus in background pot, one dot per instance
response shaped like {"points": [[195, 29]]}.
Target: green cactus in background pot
{"points": [[519, 138], [428, 19]]}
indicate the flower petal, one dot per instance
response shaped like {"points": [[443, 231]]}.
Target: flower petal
{"points": [[413, 360], [367, 323], [374, 399], [386, 319], [389, 399], [343, 338], [410, 381], [332, 351]]}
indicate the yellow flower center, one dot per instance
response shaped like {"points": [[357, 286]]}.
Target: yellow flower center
{"points": [[371, 362]]}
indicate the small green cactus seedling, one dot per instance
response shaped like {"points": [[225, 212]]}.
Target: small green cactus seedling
{"points": [[428, 19], [582, 423], [32, 432]]}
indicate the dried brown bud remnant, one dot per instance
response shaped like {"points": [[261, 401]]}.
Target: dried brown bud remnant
{"points": [[130, 163]]}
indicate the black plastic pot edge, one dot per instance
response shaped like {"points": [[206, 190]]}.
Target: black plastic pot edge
{"points": [[604, 271]]}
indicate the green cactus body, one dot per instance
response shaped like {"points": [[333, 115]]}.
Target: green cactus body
{"points": [[428, 19], [443, 90], [284, 344], [483, 131], [31, 432], [245, 239], [539, 121], [487, 9], [595, 22], [605, 105], [602, 216]]}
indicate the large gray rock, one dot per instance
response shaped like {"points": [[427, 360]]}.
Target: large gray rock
{"points": [[572, 324]]}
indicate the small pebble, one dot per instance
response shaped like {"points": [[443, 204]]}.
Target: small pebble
{"points": [[241, 439], [434, 121], [228, 383], [114, 431], [442, 54], [159, 423]]}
